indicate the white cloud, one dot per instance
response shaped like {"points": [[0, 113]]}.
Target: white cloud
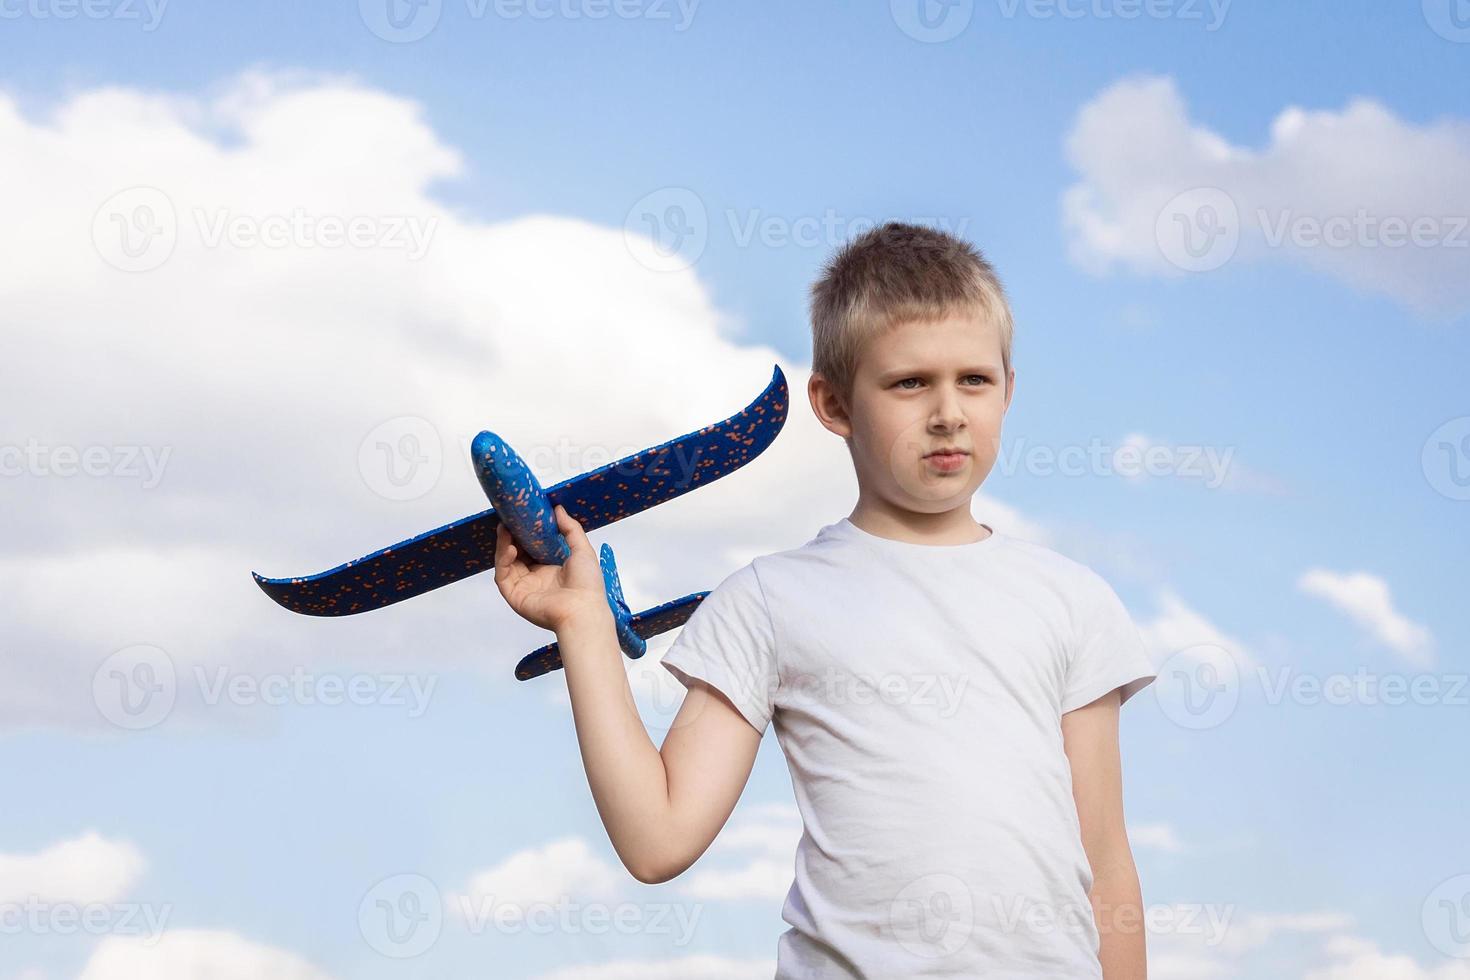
{"points": [[83, 870], [1158, 836], [683, 968], [1360, 959], [1178, 627], [1254, 945], [1184, 966], [1203, 941], [764, 838], [1367, 601], [192, 954], [252, 374], [1140, 457], [562, 870], [760, 878], [1254, 931], [1008, 520], [1136, 148]]}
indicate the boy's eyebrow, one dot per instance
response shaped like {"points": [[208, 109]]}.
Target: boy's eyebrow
{"points": [[905, 372]]}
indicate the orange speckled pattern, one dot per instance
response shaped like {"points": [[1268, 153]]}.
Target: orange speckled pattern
{"points": [[596, 499], [650, 622]]}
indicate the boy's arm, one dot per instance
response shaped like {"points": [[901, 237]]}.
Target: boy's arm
{"points": [[662, 809], [1090, 737]]}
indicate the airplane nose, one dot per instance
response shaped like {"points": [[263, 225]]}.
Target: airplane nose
{"points": [[518, 499], [485, 442], [500, 468], [489, 450]]}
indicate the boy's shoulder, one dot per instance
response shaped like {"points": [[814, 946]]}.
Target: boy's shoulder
{"points": [[1066, 572], [835, 547]]}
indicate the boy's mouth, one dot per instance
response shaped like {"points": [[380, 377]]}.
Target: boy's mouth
{"points": [[948, 458]]}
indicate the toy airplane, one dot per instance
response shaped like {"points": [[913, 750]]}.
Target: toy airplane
{"points": [[595, 499]]}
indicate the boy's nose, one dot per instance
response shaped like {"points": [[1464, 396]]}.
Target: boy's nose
{"points": [[947, 413]]}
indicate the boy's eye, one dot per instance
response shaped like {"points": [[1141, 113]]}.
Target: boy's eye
{"points": [[977, 379]]}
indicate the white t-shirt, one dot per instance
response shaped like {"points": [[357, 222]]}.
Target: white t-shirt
{"points": [[917, 692]]}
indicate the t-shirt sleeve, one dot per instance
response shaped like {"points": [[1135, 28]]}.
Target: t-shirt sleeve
{"points": [[729, 644], [1107, 651]]}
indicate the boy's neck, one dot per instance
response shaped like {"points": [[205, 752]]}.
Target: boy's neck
{"points": [[955, 526]]}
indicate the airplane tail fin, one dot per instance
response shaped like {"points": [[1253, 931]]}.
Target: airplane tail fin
{"points": [[631, 643], [610, 578], [648, 623]]}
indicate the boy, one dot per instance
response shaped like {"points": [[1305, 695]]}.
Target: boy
{"points": [[946, 695]]}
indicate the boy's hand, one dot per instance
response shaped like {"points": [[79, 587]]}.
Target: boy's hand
{"points": [[551, 596]]}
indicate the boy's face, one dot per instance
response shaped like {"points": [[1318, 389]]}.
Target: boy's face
{"points": [[919, 388]]}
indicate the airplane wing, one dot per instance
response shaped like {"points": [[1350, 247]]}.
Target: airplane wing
{"points": [[392, 574], [650, 622], [596, 498]]}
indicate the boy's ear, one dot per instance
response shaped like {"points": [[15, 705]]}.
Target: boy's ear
{"points": [[828, 405], [1010, 390]]}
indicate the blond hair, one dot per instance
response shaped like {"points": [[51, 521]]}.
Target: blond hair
{"points": [[898, 273]]}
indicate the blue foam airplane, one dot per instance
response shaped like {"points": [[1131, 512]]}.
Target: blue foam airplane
{"points": [[595, 499]]}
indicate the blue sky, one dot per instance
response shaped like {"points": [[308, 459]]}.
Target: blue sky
{"points": [[1331, 377]]}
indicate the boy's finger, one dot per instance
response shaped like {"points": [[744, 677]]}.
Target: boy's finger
{"points": [[571, 529], [504, 549]]}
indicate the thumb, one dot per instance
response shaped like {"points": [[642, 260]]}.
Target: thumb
{"points": [[572, 530]]}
